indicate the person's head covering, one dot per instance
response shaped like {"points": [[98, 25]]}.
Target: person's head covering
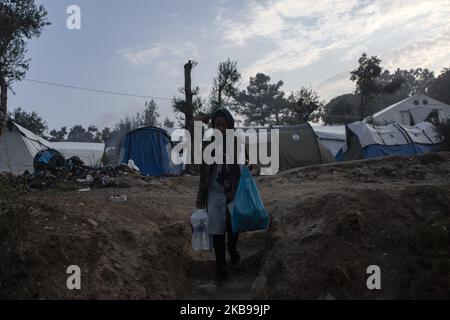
{"points": [[226, 114]]}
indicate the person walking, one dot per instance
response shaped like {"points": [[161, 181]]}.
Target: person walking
{"points": [[218, 186]]}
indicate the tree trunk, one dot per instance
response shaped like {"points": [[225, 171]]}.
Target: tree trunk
{"points": [[189, 111], [219, 98], [362, 106], [3, 102]]}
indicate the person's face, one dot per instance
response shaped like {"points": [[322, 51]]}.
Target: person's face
{"points": [[221, 124]]}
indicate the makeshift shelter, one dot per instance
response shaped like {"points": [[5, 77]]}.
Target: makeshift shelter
{"points": [[413, 110], [150, 148], [332, 137], [366, 141], [18, 146], [90, 153]]}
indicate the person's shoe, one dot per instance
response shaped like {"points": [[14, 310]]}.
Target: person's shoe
{"points": [[236, 260]]}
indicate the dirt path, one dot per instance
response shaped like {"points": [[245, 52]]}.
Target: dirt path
{"points": [[238, 286]]}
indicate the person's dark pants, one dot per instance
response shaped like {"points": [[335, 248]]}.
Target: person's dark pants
{"points": [[219, 245]]}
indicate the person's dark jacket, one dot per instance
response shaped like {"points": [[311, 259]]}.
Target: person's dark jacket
{"points": [[233, 170]]}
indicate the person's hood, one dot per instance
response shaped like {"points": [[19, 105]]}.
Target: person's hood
{"points": [[227, 116]]}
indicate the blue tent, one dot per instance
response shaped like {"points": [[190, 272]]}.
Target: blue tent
{"points": [[150, 149], [365, 141]]}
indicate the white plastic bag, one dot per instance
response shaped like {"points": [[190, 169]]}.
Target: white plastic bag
{"points": [[132, 165], [200, 236]]}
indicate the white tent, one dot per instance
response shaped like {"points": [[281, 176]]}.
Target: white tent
{"points": [[90, 153], [18, 146], [332, 137], [413, 110]]}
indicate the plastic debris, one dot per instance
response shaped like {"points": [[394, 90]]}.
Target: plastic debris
{"points": [[132, 165], [118, 198]]}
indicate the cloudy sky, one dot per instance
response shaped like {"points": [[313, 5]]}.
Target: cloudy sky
{"points": [[140, 46]]}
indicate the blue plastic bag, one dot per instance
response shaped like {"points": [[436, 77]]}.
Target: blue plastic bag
{"points": [[46, 156], [248, 213]]}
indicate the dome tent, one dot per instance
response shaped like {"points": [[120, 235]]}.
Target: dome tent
{"points": [[150, 149], [299, 146]]}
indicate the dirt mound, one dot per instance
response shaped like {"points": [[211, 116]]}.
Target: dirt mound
{"points": [[136, 249], [329, 223]]}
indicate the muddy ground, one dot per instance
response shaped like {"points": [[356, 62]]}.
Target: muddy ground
{"points": [[329, 223]]}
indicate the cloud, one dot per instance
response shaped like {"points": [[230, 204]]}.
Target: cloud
{"points": [[142, 56], [431, 53], [335, 85], [188, 50], [169, 68], [171, 15], [147, 55], [165, 57], [304, 33]]}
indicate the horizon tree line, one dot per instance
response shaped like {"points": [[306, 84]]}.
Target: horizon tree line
{"points": [[263, 102]]}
